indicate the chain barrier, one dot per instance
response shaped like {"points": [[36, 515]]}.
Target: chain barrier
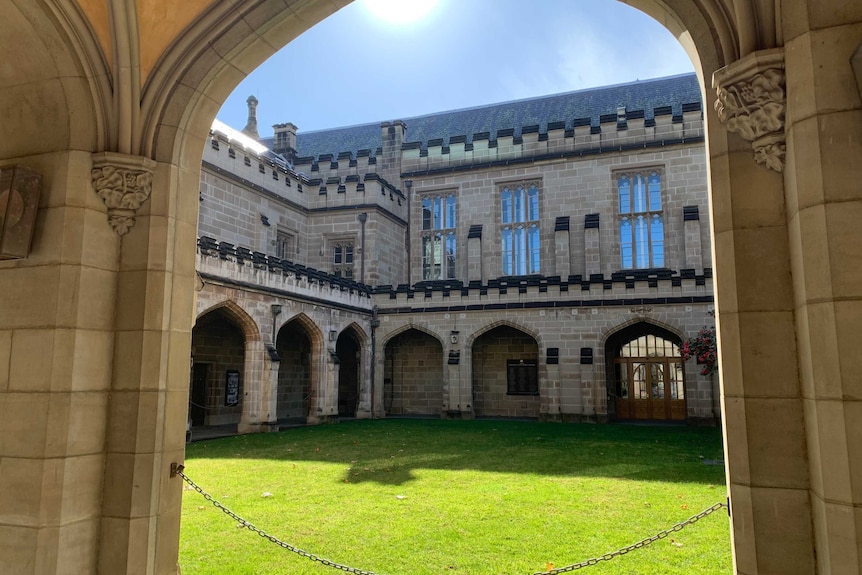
{"points": [[639, 545], [178, 470]]}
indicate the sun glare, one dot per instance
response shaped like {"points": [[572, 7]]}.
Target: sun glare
{"points": [[399, 11]]}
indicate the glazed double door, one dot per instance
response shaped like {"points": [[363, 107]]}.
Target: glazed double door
{"points": [[649, 388]]}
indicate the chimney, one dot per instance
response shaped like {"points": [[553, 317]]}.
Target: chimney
{"points": [[284, 141], [392, 134], [251, 127]]}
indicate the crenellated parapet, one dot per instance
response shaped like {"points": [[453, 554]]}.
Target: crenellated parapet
{"points": [[625, 130], [634, 289], [349, 179], [226, 263], [249, 163]]}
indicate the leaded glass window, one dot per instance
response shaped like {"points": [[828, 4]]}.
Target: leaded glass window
{"points": [[520, 234], [641, 221], [439, 245]]}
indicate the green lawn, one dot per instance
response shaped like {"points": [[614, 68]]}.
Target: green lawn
{"points": [[422, 497]]}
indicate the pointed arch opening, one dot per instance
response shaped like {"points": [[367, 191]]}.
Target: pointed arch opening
{"points": [[413, 377], [348, 349], [506, 373], [218, 368], [645, 374], [297, 343]]}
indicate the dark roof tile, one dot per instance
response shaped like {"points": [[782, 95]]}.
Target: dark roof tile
{"points": [[659, 96]]}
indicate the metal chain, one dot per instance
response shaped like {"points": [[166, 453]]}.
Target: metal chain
{"points": [[243, 523], [640, 544], [178, 470]]}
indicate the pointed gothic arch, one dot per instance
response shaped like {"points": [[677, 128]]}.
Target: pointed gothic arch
{"points": [[418, 327], [503, 322], [413, 376], [243, 320], [785, 519], [511, 386], [645, 373], [300, 346]]}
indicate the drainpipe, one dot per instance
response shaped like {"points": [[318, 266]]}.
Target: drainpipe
{"points": [[409, 185], [362, 218]]}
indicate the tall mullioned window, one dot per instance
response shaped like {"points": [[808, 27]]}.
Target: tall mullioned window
{"points": [[439, 245], [519, 233], [342, 259], [641, 223]]}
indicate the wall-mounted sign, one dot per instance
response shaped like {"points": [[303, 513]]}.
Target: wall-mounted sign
{"points": [[19, 201], [231, 388]]}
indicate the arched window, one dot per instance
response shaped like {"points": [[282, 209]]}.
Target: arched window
{"points": [[520, 233], [640, 223], [645, 374]]}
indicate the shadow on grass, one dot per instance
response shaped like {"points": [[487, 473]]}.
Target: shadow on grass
{"points": [[388, 451]]}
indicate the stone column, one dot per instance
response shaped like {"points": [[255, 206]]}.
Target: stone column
{"points": [[379, 359], [458, 389], [765, 437], [549, 390], [562, 257], [591, 393], [691, 230], [363, 410], [56, 357], [824, 211], [474, 254], [592, 246], [258, 395], [148, 399], [324, 405], [271, 365]]}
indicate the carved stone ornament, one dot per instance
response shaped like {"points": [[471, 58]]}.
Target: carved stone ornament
{"points": [[751, 101], [124, 183]]}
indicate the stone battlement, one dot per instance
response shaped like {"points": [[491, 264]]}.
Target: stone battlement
{"points": [[615, 132], [255, 166], [239, 266], [627, 289]]}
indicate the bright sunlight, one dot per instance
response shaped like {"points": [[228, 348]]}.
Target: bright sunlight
{"points": [[399, 11]]}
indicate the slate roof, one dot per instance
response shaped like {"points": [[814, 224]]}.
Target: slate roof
{"points": [[642, 95]]}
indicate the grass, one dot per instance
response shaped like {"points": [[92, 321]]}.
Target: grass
{"points": [[424, 497]]}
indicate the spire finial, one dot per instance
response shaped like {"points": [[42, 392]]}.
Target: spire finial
{"points": [[251, 127]]}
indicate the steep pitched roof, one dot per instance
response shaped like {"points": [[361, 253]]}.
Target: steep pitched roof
{"points": [[645, 95]]}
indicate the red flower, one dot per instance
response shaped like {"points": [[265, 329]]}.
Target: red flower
{"points": [[702, 347]]}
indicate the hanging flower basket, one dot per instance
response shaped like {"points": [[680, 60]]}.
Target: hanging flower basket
{"points": [[703, 348]]}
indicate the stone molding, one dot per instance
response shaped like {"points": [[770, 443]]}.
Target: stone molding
{"points": [[124, 183], [751, 101]]}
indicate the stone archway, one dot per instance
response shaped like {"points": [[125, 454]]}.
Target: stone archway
{"points": [[133, 92], [506, 373], [413, 375]]}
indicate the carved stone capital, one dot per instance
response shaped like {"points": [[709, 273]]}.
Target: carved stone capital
{"points": [[751, 101], [124, 183]]}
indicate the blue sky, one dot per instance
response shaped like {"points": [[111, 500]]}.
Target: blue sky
{"points": [[357, 66]]}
